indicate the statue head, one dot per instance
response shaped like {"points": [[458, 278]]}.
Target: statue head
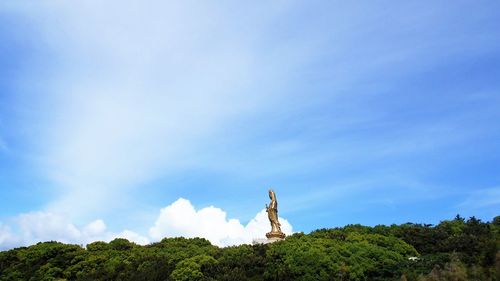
{"points": [[272, 196]]}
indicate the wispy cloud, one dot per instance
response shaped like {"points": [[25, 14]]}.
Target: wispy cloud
{"points": [[351, 99], [482, 198], [137, 91], [3, 145]]}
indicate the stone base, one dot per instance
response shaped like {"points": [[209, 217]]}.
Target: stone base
{"points": [[272, 235], [266, 241], [271, 238]]}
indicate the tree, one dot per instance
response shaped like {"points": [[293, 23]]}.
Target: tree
{"points": [[193, 269], [452, 250]]}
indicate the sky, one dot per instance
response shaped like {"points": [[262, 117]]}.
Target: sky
{"points": [[156, 119]]}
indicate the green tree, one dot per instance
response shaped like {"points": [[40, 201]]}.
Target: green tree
{"points": [[194, 269]]}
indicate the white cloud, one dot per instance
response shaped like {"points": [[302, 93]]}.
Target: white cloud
{"points": [[95, 228], [6, 237], [36, 227], [132, 236], [42, 226], [182, 219], [178, 219]]}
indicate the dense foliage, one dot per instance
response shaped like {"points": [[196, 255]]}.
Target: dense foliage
{"points": [[452, 250]]}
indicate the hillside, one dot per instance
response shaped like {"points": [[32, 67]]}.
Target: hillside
{"points": [[455, 249]]}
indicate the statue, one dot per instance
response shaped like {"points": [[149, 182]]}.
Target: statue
{"points": [[272, 213]]}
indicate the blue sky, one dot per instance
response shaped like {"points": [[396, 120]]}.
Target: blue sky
{"points": [[373, 112]]}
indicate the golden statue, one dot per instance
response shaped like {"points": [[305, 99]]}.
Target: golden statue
{"points": [[272, 213]]}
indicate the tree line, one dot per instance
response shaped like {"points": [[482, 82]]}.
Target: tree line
{"points": [[456, 249]]}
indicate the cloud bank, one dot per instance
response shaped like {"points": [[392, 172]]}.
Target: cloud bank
{"points": [[179, 219], [30, 228], [182, 219]]}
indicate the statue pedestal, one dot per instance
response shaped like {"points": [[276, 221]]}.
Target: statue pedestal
{"points": [[273, 235], [271, 238], [266, 240]]}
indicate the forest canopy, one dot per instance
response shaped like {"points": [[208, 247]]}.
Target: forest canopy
{"points": [[455, 249]]}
